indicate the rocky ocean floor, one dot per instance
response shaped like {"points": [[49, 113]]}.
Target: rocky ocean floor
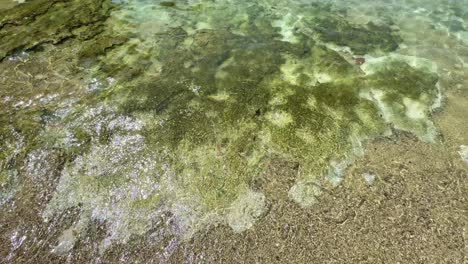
{"points": [[233, 131]]}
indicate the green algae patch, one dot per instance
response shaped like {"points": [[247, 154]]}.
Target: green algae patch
{"points": [[217, 172], [406, 97], [361, 39], [398, 79]]}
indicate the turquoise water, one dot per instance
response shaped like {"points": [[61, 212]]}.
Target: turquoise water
{"points": [[131, 112]]}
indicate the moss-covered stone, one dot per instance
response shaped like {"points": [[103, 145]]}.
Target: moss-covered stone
{"points": [[34, 23]]}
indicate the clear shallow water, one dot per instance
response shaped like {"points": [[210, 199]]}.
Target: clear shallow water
{"points": [[157, 118]]}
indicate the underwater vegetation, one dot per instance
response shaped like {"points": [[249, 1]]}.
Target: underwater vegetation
{"points": [[40, 22], [179, 107]]}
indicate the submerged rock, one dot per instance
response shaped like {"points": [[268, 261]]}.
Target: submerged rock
{"points": [[29, 25]]}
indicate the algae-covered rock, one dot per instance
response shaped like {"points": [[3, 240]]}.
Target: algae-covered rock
{"points": [[34, 23], [361, 39]]}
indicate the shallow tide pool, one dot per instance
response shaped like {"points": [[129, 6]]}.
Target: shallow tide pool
{"points": [[215, 131]]}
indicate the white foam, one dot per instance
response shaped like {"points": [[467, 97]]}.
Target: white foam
{"points": [[245, 210], [369, 177], [463, 153]]}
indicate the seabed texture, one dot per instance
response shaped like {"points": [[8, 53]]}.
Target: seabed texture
{"points": [[222, 131]]}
